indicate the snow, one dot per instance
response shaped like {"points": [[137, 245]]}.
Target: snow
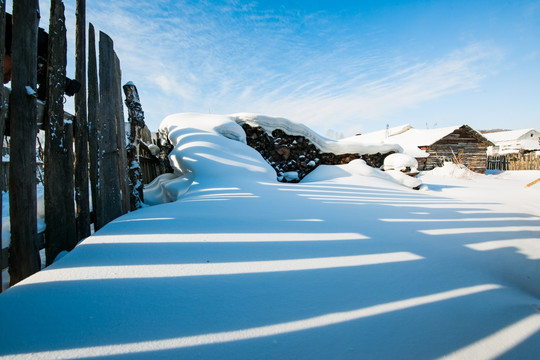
{"points": [[30, 91], [6, 226], [154, 149], [423, 137], [381, 135], [400, 162], [344, 146], [510, 135], [40, 211], [503, 191], [346, 264], [291, 176]]}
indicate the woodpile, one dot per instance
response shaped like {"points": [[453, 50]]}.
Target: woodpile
{"points": [[289, 153]]}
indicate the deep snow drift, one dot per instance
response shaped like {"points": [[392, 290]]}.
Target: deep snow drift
{"points": [[344, 265]]}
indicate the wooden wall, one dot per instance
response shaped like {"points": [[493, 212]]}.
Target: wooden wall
{"points": [[464, 146]]}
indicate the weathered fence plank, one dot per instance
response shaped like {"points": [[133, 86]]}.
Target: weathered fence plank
{"points": [[24, 257], [529, 161], [4, 257], [103, 117], [80, 128], [93, 103], [60, 233], [3, 107], [121, 135], [109, 193], [136, 121]]}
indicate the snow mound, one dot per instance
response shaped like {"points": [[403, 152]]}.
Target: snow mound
{"points": [[213, 148], [291, 176], [400, 162], [154, 149], [404, 179], [358, 168], [207, 149], [165, 188], [450, 169]]}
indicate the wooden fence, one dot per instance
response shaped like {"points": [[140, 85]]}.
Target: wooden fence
{"points": [[97, 130], [529, 161], [149, 164]]}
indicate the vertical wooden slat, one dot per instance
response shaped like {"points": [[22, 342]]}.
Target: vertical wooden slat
{"points": [[80, 128], [109, 201], [93, 103], [121, 135], [60, 233], [136, 121], [24, 254], [3, 106]]}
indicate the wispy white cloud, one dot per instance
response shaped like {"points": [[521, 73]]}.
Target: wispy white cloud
{"points": [[346, 101], [231, 57]]}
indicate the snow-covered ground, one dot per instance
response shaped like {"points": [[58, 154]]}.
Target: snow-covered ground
{"points": [[347, 264]]}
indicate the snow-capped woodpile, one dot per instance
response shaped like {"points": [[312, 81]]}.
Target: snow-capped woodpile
{"points": [[293, 157]]}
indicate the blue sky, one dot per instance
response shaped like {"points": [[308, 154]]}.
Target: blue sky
{"points": [[346, 66]]}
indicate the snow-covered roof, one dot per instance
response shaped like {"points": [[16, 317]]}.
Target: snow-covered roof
{"points": [[509, 135], [421, 137], [407, 137], [380, 135]]}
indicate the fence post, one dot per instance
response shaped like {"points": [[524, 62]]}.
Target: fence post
{"points": [[80, 128], [3, 107], [109, 201], [93, 103], [121, 135], [136, 120], [23, 253], [60, 233]]}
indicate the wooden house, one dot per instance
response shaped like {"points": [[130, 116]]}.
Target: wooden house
{"points": [[462, 145], [432, 147]]}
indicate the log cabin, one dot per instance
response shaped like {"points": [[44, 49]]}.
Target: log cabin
{"points": [[432, 147]]}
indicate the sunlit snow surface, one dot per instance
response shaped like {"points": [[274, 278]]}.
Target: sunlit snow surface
{"points": [[344, 265]]}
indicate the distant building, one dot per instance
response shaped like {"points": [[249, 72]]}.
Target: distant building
{"points": [[513, 141], [431, 147]]}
